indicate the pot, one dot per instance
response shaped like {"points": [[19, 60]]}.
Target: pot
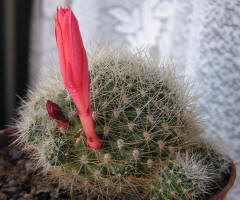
{"points": [[221, 195], [7, 136]]}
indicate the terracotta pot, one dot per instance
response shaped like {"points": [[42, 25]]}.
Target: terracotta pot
{"points": [[221, 195], [7, 136]]}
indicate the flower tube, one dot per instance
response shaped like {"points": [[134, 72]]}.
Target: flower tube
{"points": [[74, 70]]}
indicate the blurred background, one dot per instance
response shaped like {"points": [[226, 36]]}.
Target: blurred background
{"points": [[201, 37]]}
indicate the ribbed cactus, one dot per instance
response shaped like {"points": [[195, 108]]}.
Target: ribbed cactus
{"points": [[138, 134]]}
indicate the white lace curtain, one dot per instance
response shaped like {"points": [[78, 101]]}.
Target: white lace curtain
{"points": [[202, 37]]}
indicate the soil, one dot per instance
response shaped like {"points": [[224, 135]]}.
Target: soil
{"points": [[19, 182]]}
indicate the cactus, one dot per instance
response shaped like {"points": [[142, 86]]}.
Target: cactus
{"points": [[150, 131], [151, 134]]}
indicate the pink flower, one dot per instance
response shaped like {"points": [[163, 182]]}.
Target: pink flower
{"points": [[56, 113], [74, 70]]}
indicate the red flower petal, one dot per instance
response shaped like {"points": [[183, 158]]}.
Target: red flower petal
{"points": [[74, 69]]}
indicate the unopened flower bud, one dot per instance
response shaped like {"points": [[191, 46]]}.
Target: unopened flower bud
{"points": [[56, 113], [78, 134]]}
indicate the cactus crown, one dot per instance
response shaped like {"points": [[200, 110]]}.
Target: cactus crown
{"points": [[151, 143]]}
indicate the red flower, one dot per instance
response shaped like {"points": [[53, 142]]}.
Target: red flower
{"points": [[56, 113], [74, 70]]}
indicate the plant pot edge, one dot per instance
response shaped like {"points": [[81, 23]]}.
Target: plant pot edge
{"points": [[222, 194]]}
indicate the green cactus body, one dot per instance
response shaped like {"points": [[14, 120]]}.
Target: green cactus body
{"points": [[151, 146]]}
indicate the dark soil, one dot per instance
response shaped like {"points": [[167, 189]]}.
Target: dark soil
{"points": [[18, 181]]}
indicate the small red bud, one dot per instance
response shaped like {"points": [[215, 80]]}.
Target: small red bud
{"points": [[56, 113], [78, 134]]}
